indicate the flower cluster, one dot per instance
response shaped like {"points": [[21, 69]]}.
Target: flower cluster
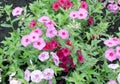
{"points": [[37, 75], [66, 4]]}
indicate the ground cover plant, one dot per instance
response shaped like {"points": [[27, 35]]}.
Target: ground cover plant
{"points": [[61, 42]]}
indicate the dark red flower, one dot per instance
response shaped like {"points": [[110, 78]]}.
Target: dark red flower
{"points": [[56, 6], [65, 67], [90, 21], [72, 63], [60, 54], [32, 24], [64, 60], [68, 43], [80, 58]]}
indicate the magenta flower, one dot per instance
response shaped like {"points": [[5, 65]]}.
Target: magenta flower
{"points": [[43, 56], [32, 24], [51, 33], [66, 51], [34, 36], [55, 58], [39, 44], [82, 13], [44, 19], [36, 76], [27, 75], [63, 34], [73, 14], [37, 31], [81, 58], [111, 82], [84, 5], [48, 73], [25, 41], [17, 11], [110, 55]]}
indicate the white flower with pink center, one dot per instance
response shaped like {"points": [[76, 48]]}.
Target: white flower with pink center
{"points": [[82, 13], [39, 44], [111, 82], [48, 73], [44, 19], [36, 76], [15, 81], [25, 41], [17, 11], [37, 31], [55, 58], [33, 36], [27, 75], [110, 55], [63, 34], [73, 14], [43, 56], [51, 32], [113, 66]]}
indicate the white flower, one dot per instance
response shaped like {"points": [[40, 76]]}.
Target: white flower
{"points": [[113, 66], [14, 81]]}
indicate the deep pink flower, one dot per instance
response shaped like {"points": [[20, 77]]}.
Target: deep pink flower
{"points": [[56, 6], [73, 14], [111, 82], [84, 5], [25, 41], [44, 19], [51, 32], [81, 58], [66, 51], [110, 55], [43, 56], [33, 24], [90, 21], [60, 54], [63, 34], [48, 73], [68, 4], [65, 67], [37, 31], [17, 11], [39, 44], [27, 75], [64, 60], [68, 42], [33, 36], [62, 2]]}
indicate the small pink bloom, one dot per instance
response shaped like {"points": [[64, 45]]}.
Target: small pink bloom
{"points": [[82, 13], [39, 44], [66, 51], [55, 58], [33, 36], [118, 78], [68, 4], [111, 42], [113, 66], [27, 75], [84, 5], [111, 82], [37, 31], [80, 58], [25, 41], [111, 1], [44, 19], [56, 6], [17, 11], [36, 76], [73, 14], [50, 24], [43, 56], [51, 33], [48, 73], [110, 55], [68, 42], [63, 34], [110, 7], [33, 24]]}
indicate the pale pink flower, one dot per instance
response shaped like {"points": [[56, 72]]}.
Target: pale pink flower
{"points": [[110, 55], [55, 58], [17, 11], [73, 14], [43, 56], [27, 75], [25, 41], [14, 81], [37, 31], [50, 24], [119, 2], [36, 76], [111, 1], [110, 7], [113, 66], [48, 73], [111, 82], [34, 36], [51, 33], [50, 82], [39, 44], [82, 13], [63, 34], [115, 40], [118, 52], [44, 19], [118, 78], [115, 8], [111, 42]]}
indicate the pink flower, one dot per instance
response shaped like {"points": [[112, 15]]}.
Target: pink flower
{"points": [[17, 11], [39, 44], [115, 40], [48, 73], [55, 58], [119, 2], [118, 78], [84, 5], [36, 76], [110, 7], [118, 52], [62, 2], [27, 75], [56, 6], [111, 1], [37, 31], [33, 24], [50, 24], [51, 33], [44, 19], [63, 34], [43, 56], [73, 14], [113, 66], [66, 51], [110, 55], [33, 36], [82, 13], [68, 4], [25, 41], [80, 58], [111, 82], [115, 8]]}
